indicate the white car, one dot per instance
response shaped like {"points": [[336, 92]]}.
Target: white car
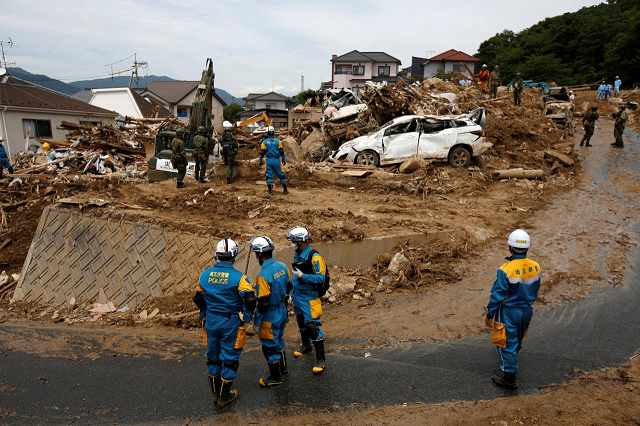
{"points": [[452, 138]]}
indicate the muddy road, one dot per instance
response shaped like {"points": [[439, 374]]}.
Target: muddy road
{"points": [[426, 344]]}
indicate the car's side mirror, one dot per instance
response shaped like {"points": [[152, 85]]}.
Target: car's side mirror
{"points": [[387, 132]]}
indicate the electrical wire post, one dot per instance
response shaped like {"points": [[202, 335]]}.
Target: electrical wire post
{"points": [[3, 62]]}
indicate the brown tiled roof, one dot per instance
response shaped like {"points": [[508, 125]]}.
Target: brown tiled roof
{"points": [[148, 107], [453, 55], [18, 93], [172, 91]]}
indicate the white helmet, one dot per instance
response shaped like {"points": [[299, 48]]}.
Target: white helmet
{"points": [[1, 139], [298, 233], [227, 249], [519, 239], [261, 244], [484, 65], [271, 130]]}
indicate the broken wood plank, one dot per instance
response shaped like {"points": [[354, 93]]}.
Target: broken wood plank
{"points": [[28, 169], [13, 205], [561, 158], [518, 174], [356, 173], [5, 243]]}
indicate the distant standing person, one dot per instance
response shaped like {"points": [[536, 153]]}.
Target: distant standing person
{"points": [[272, 149], [589, 122], [201, 149], [607, 92], [494, 81], [321, 97], [179, 157], [313, 98], [514, 290], [4, 159], [616, 85], [229, 152], [483, 76], [601, 89], [517, 89], [618, 129], [571, 96]]}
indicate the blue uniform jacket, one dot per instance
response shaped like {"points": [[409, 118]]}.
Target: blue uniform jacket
{"points": [[272, 281], [3, 152], [272, 147], [223, 288], [516, 284], [308, 282]]}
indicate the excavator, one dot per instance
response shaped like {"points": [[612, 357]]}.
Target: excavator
{"points": [[160, 167], [262, 116]]}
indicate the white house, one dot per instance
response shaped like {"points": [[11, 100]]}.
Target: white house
{"points": [[128, 103], [28, 109], [451, 60], [271, 100], [178, 96], [352, 70]]}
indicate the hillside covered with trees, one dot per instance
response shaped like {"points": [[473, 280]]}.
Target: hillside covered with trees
{"points": [[575, 48]]}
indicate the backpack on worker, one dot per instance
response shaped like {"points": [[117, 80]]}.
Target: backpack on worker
{"points": [[307, 268]]}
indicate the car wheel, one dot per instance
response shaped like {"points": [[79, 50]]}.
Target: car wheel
{"points": [[459, 156], [368, 158]]}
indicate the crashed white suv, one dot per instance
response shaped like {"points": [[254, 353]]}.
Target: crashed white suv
{"points": [[454, 138]]}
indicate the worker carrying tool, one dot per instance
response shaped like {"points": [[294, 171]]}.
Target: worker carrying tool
{"points": [[509, 311], [201, 148], [309, 280], [273, 285], [228, 301], [483, 76], [179, 157], [272, 149]]}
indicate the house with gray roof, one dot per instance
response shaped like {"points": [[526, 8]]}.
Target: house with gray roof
{"points": [[352, 70], [29, 111]]}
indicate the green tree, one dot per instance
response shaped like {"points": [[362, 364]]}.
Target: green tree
{"points": [[445, 75], [232, 112], [302, 97]]}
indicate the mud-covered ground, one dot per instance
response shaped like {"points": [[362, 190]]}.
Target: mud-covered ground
{"points": [[575, 216]]}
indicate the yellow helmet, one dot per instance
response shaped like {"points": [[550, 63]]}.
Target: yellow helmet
{"points": [[45, 147]]}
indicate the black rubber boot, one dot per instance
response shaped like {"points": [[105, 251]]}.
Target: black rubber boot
{"points": [[270, 188], [228, 181], [505, 380], [305, 347], [582, 143], [320, 360], [227, 395], [10, 169], [215, 382], [1, 172], [285, 190], [274, 379], [180, 185], [588, 144], [284, 369]]}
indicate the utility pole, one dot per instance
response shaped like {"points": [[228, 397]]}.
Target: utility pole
{"points": [[136, 65], [302, 83], [272, 81], [3, 62]]}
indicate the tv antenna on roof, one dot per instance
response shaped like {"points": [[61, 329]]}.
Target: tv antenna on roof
{"points": [[3, 62]]}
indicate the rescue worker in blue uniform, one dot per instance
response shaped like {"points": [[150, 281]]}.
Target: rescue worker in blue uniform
{"points": [[228, 301], [309, 271], [514, 290], [272, 149], [273, 285], [4, 159]]}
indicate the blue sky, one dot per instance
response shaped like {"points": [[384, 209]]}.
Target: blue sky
{"points": [[255, 45]]}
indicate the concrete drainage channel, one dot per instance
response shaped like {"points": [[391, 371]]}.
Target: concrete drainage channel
{"points": [[73, 255]]}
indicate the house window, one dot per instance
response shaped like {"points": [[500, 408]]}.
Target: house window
{"points": [[250, 106], [343, 69], [357, 90], [39, 128], [270, 106], [384, 70], [358, 70], [458, 67], [183, 112]]}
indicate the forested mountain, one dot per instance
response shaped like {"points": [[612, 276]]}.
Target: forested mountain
{"points": [[581, 47]]}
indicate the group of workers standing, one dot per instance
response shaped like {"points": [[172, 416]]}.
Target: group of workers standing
{"points": [[492, 79], [271, 148], [228, 302], [604, 89], [589, 122]]}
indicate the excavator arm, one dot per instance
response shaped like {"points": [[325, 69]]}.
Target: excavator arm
{"points": [[258, 117]]}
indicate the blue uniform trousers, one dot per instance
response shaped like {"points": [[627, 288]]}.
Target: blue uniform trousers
{"points": [[225, 339], [273, 166], [516, 322], [5, 163], [307, 303], [271, 335]]}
